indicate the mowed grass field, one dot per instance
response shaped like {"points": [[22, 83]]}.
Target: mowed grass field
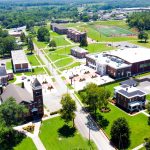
{"points": [[55, 136], [111, 31], [138, 125], [26, 143], [60, 41], [95, 34]]}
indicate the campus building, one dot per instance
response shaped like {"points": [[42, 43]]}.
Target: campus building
{"points": [[78, 52], [5, 76], [129, 98], [20, 61], [58, 28], [75, 35], [33, 102], [120, 63]]}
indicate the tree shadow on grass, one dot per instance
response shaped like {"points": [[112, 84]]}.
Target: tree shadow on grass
{"points": [[102, 122], [66, 131]]}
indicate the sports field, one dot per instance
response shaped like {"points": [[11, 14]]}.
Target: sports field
{"points": [[113, 31]]}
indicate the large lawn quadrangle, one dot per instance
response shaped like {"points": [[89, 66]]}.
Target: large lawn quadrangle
{"points": [[53, 140]]}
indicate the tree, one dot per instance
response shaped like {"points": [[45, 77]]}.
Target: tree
{"points": [[140, 36], [83, 42], [43, 34], [68, 108], [92, 97], [147, 143], [9, 44], [105, 95], [120, 133], [23, 37], [148, 109], [145, 37], [52, 44], [11, 113], [30, 45]]}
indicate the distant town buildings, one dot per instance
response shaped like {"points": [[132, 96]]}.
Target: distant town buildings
{"points": [[120, 63], [33, 102], [20, 61], [78, 52], [129, 97]]}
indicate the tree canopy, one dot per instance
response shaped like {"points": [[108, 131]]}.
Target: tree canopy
{"points": [[68, 108], [120, 133], [11, 114], [43, 34]]}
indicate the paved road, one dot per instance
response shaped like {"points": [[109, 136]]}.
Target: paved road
{"points": [[83, 121]]}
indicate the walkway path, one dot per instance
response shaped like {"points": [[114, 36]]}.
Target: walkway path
{"points": [[35, 136], [82, 118], [145, 113], [138, 147]]}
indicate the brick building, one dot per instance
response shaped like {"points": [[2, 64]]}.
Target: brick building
{"points": [[5, 76], [33, 102], [58, 28], [20, 61], [129, 98], [120, 63], [75, 35], [78, 52]]}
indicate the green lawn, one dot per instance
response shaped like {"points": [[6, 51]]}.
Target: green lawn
{"points": [[59, 53], [71, 66], [64, 62], [9, 65], [95, 34], [33, 60], [60, 41], [37, 71], [40, 44], [94, 48], [26, 143], [138, 125], [55, 137], [148, 97], [40, 60]]}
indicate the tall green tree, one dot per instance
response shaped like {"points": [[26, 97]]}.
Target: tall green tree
{"points": [[145, 37], [83, 42], [52, 44], [68, 108], [43, 34], [12, 113], [148, 109], [9, 44], [120, 133], [30, 45], [22, 37]]}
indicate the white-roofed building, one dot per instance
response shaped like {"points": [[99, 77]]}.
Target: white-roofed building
{"points": [[120, 63], [20, 61]]}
